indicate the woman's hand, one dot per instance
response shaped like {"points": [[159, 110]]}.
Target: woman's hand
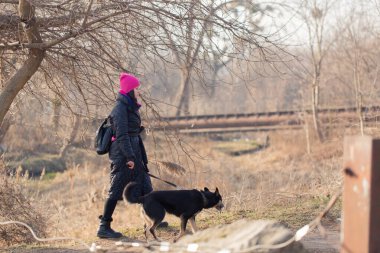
{"points": [[131, 165]]}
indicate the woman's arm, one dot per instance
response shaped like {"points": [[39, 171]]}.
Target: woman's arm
{"points": [[120, 123]]}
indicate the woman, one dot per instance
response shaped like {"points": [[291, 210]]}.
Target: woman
{"points": [[127, 153]]}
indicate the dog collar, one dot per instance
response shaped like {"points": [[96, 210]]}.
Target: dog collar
{"points": [[205, 201]]}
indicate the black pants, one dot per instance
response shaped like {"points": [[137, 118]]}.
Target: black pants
{"points": [[121, 175], [116, 191]]}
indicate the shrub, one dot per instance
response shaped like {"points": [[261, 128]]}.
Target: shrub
{"points": [[15, 206]]}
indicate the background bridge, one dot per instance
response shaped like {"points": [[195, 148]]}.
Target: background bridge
{"points": [[268, 121]]}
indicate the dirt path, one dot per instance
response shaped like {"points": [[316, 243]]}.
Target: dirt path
{"points": [[314, 243]]}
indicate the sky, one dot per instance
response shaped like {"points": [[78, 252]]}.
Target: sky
{"points": [[285, 22]]}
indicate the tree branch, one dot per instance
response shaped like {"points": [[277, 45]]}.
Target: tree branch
{"points": [[8, 1], [30, 66], [86, 15]]}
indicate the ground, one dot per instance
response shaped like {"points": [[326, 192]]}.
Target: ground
{"points": [[315, 241], [279, 182]]}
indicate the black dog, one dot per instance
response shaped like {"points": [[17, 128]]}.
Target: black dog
{"points": [[185, 204]]}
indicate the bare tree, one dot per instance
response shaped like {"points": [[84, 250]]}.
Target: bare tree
{"points": [[354, 58], [185, 57], [86, 44], [26, 14], [314, 15], [209, 45]]}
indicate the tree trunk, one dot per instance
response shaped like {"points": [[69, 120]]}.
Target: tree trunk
{"points": [[5, 127], [307, 134], [57, 105], [358, 99], [13, 86], [304, 118], [360, 115], [314, 108], [213, 84], [71, 139], [184, 102], [18, 80], [214, 76], [3, 73]]}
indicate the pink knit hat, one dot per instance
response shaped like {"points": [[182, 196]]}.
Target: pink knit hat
{"points": [[128, 82]]}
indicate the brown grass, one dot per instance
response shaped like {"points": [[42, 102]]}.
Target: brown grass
{"points": [[281, 182], [15, 206]]}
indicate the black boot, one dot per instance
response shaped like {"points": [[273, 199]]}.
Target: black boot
{"points": [[105, 230]]}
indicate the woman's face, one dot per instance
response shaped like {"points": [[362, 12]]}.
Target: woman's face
{"points": [[137, 93]]}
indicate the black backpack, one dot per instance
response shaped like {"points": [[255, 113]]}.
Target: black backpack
{"points": [[103, 138]]}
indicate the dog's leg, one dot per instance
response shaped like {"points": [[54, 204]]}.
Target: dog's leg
{"points": [[147, 223], [194, 228], [182, 232], [153, 228], [156, 213], [145, 232]]}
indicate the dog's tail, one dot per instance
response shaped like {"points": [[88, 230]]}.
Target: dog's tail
{"points": [[129, 196]]}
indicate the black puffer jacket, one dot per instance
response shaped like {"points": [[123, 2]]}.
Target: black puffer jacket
{"points": [[126, 123]]}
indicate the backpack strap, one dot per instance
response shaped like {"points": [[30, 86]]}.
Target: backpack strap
{"points": [[104, 122], [112, 125]]}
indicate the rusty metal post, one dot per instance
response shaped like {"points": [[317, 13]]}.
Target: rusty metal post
{"points": [[361, 195]]}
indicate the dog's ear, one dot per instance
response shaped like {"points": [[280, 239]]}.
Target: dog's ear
{"points": [[206, 189], [217, 192]]}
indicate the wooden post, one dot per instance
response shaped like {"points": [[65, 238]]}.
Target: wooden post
{"points": [[361, 195]]}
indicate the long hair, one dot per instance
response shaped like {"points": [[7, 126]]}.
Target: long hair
{"points": [[131, 94]]}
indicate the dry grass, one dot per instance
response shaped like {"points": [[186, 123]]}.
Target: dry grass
{"points": [[278, 173], [14, 205], [281, 182], [170, 167]]}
